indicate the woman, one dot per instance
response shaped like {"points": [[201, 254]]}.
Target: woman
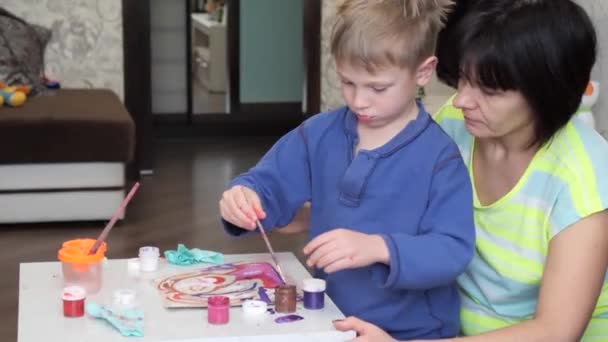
{"points": [[540, 197]]}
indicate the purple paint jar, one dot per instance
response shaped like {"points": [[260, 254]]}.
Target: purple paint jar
{"points": [[314, 293]]}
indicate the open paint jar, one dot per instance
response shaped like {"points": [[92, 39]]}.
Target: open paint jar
{"points": [[314, 293], [78, 267], [73, 301], [218, 310], [124, 299], [148, 258], [285, 299]]}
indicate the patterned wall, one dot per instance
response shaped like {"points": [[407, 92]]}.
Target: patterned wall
{"points": [[330, 84], [598, 10], [86, 49]]}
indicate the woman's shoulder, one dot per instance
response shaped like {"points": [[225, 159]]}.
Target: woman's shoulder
{"points": [[577, 159], [578, 156], [451, 121], [578, 149]]}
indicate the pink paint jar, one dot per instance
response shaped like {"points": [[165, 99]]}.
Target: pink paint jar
{"points": [[218, 310], [73, 301]]}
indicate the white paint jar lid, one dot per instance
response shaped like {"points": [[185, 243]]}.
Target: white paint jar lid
{"points": [[314, 285], [73, 293], [149, 251]]}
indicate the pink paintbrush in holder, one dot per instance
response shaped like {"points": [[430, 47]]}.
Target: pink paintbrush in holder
{"points": [[104, 234]]}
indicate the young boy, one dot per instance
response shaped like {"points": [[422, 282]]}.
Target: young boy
{"points": [[391, 216]]}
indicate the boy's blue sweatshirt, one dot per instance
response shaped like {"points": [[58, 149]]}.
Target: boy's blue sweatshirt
{"points": [[414, 191]]}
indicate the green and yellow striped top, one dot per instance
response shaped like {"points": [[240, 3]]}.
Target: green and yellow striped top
{"points": [[566, 181]]}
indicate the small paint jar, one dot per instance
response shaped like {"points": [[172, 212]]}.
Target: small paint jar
{"points": [[285, 298], [218, 310], [314, 293], [124, 299], [73, 301], [148, 258], [254, 307], [254, 311], [133, 267]]}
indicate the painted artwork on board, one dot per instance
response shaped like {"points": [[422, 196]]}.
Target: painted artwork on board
{"points": [[238, 281]]}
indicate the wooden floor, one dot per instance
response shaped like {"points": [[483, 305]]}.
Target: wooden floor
{"points": [[178, 204]]}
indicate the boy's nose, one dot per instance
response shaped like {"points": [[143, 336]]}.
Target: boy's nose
{"points": [[359, 101]]}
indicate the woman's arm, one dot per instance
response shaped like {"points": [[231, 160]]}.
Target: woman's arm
{"points": [[572, 281]]}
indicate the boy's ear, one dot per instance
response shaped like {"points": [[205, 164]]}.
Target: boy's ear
{"points": [[425, 70]]}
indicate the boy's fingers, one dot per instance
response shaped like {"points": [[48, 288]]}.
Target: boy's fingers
{"points": [[321, 252], [244, 204], [328, 258], [256, 205], [226, 210], [338, 265], [317, 242], [350, 323], [240, 219]]}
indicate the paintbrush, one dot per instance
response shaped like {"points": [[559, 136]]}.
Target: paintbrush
{"points": [[274, 257], [104, 234]]}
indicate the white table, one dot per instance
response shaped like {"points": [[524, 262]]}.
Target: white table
{"points": [[41, 316]]}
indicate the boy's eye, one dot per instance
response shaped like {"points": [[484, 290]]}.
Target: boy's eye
{"points": [[379, 89], [345, 82]]}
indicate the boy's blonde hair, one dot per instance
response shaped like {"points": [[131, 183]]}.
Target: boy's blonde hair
{"points": [[378, 33]]}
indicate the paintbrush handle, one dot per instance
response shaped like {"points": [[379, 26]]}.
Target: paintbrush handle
{"points": [[265, 237], [269, 246], [104, 234]]}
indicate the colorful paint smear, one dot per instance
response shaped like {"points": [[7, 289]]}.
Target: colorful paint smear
{"points": [[237, 281]]}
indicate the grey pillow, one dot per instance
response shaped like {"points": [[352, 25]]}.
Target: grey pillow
{"points": [[22, 48]]}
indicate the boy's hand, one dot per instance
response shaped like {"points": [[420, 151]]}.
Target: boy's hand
{"points": [[241, 206], [365, 331], [341, 249]]}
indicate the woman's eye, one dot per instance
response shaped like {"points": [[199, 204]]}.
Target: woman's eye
{"points": [[489, 91]]}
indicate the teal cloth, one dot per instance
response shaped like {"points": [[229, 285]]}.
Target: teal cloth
{"points": [[128, 322], [185, 256]]}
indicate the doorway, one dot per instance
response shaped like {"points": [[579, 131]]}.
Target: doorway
{"points": [[158, 67], [232, 61]]}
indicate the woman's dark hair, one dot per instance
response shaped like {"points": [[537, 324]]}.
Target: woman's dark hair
{"points": [[544, 49]]}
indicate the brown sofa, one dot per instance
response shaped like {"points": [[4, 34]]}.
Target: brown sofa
{"points": [[63, 156]]}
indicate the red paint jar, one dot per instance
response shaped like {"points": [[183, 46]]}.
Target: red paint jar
{"points": [[218, 310], [73, 301]]}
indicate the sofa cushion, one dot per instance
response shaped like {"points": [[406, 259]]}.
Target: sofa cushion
{"points": [[22, 48], [67, 125]]}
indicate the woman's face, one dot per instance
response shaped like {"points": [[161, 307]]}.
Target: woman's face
{"points": [[493, 113]]}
